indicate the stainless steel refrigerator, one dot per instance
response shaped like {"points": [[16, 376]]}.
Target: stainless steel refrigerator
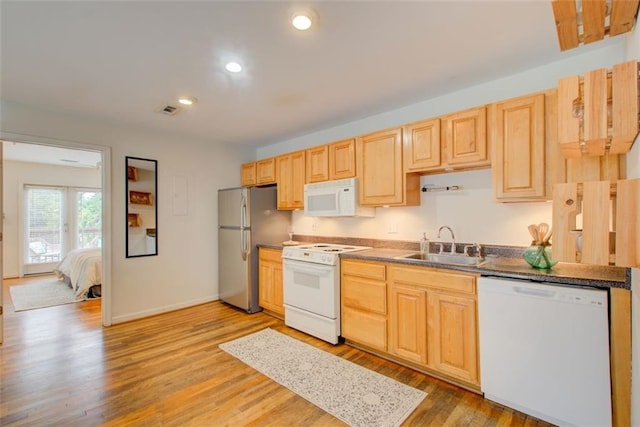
{"points": [[246, 217]]}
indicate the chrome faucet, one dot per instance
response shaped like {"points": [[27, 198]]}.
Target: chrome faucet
{"points": [[453, 238]]}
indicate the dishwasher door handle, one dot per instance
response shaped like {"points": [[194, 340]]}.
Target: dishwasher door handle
{"points": [[534, 292]]}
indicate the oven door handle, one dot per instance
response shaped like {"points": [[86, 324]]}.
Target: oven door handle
{"points": [[305, 267]]}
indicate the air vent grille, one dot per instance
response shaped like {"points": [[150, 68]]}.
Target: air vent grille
{"points": [[169, 110]]}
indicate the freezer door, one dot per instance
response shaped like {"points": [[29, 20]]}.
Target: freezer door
{"points": [[230, 207], [233, 269]]}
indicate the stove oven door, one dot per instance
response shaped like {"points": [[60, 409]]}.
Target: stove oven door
{"points": [[312, 287]]}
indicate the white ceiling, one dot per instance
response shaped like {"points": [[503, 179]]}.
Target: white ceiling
{"points": [[121, 61]]}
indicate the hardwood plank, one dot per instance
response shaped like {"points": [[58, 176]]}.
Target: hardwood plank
{"points": [[624, 114], [628, 231], [59, 366], [593, 14], [623, 16], [566, 18], [595, 111], [596, 211]]}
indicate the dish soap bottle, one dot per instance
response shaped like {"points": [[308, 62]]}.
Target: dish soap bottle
{"points": [[424, 244]]}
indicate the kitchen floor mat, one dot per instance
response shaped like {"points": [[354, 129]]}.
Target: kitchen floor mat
{"points": [[349, 392]]}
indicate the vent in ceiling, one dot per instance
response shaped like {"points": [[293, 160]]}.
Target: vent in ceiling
{"points": [[169, 110]]}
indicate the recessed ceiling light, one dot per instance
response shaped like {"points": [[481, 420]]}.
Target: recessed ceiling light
{"points": [[187, 100], [233, 67], [303, 20]]}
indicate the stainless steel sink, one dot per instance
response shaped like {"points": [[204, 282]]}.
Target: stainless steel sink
{"points": [[460, 259]]}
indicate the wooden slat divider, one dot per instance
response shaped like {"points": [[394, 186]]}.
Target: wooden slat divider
{"points": [[624, 108], [568, 124], [565, 210], [627, 208], [595, 112], [596, 217], [593, 14], [566, 18], [606, 207], [623, 16]]}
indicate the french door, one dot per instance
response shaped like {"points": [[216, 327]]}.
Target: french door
{"points": [[57, 220]]}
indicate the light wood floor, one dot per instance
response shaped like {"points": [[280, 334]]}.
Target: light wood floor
{"points": [[60, 367]]}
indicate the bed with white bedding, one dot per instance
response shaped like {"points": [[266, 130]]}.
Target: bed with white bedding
{"points": [[81, 269]]}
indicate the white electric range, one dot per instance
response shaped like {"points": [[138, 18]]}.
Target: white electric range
{"points": [[311, 276]]}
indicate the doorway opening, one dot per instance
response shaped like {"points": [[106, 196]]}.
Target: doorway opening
{"points": [[53, 215]]}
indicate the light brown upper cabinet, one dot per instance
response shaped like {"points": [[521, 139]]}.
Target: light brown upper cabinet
{"points": [[342, 159], [248, 174], [422, 146], [381, 180], [331, 161], [291, 179], [517, 135], [465, 139], [318, 163], [266, 171]]}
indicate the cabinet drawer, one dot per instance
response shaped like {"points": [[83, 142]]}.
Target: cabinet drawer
{"points": [[365, 328], [370, 270], [364, 294], [434, 278], [267, 254]]}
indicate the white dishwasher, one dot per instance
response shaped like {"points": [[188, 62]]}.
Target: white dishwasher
{"points": [[544, 350]]}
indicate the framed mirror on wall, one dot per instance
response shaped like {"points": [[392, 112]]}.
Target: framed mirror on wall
{"points": [[142, 207]]}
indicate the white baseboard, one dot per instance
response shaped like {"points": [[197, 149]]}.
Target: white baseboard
{"points": [[160, 310]]}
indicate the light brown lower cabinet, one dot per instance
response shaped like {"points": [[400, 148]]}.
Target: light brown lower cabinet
{"points": [[451, 328], [408, 323], [363, 290], [424, 316], [270, 287]]}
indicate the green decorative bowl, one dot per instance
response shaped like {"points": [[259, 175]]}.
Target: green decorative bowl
{"points": [[539, 257]]}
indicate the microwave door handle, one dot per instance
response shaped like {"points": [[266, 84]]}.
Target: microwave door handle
{"points": [[338, 200]]}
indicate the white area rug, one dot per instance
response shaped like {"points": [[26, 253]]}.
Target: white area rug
{"points": [[41, 294], [351, 393]]}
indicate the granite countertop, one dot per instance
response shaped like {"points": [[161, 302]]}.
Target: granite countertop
{"points": [[513, 268], [506, 267]]}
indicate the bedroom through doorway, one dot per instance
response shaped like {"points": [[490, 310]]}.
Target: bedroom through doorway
{"points": [[57, 191]]}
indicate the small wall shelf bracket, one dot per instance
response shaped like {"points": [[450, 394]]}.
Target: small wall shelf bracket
{"points": [[430, 188]]}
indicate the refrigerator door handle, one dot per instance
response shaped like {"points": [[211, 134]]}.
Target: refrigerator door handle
{"points": [[243, 212], [243, 244]]}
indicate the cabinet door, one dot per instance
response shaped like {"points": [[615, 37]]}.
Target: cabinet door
{"points": [[518, 140], [466, 138], [270, 285], [266, 171], [298, 177], [408, 323], [248, 174], [342, 159], [452, 331], [291, 179], [380, 168], [318, 164], [284, 181], [422, 146]]}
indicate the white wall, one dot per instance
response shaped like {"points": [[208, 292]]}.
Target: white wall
{"points": [[472, 213], [185, 271], [15, 176]]}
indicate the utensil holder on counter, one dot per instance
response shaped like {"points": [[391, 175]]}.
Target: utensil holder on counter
{"points": [[539, 256]]}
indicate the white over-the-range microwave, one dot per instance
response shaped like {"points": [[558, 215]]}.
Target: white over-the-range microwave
{"points": [[334, 198]]}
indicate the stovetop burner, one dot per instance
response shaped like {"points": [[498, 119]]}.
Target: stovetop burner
{"points": [[330, 247], [321, 253]]}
